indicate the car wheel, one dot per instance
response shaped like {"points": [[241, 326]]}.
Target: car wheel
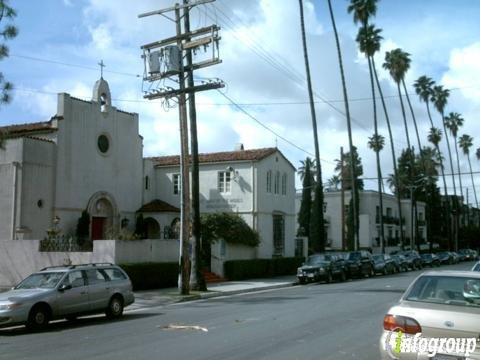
{"points": [[385, 271], [302, 281], [115, 308], [38, 317], [329, 278], [372, 272], [343, 276]]}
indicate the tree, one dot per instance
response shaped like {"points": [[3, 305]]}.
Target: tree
{"points": [[83, 227], [352, 182], [454, 122], [7, 32], [373, 38], [306, 206], [349, 123], [466, 142], [232, 228], [140, 227], [302, 169], [334, 183], [362, 11], [397, 63], [317, 237], [439, 98], [435, 136], [424, 89]]}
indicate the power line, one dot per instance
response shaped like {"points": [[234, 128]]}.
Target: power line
{"points": [[269, 129], [71, 65]]}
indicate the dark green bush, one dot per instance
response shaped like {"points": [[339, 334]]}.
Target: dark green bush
{"points": [[145, 276], [261, 268]]}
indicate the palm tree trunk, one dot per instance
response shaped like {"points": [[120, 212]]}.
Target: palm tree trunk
{"points": [[320, 241], [377, 156], [349, 128], [458, 168], [403, 115], [413, 116], [429, 115], [455, 202], [394, 158], [473, 183]]}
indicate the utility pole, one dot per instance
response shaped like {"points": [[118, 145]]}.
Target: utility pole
{"points": [[165, 63]]}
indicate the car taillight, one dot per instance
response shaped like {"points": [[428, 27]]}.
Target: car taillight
{"points": [[401, 323]]}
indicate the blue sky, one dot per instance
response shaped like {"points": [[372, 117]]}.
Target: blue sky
{"points": [[442, 37]]}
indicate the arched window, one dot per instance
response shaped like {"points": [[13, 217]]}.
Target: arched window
{"points": [[103, 102]]}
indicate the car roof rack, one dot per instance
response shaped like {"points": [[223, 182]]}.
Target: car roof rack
{"points": [[76, 265]]}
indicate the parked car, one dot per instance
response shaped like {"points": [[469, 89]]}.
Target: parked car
{"points": [[476, 267], [442, 304], [462, 253], [445, 257], [413, 259], [430, 260], [360, 263], [66, 292], [456, 257], [384, 264], [401, 263], [321, 267]]}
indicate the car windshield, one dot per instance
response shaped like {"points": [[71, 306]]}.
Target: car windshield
{"points": [[316, 259], [449, 290], [476, 267], [46, 280], [426, 256], [378, 257], [354, 256]]}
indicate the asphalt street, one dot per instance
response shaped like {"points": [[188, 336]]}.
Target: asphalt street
{"points": [[316, 321]]}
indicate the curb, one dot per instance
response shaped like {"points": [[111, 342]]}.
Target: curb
{"points": [[214, 294]]}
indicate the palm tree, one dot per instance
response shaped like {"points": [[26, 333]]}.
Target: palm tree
{"points": [[454, 122], [466, 142], [397, 64], [349, 129], [334, 182], [424, 87], [373, 38], [478, 153], [308, 162], [435, 136], [377, 143], [439, 98], [362, 10], [318, 230]]}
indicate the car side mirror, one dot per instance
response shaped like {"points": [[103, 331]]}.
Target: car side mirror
{"points": [[64, 287]]}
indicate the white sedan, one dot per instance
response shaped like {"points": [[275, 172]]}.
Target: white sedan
{"points": [[437, 318]]}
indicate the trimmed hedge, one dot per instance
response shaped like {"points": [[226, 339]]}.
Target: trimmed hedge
{"points": [[145, 276], [261, 268]]}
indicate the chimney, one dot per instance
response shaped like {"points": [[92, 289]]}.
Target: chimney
{"points": [[239, 147]]}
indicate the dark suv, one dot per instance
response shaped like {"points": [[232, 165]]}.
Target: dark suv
{"points": [[360, 263], [322, 267]]}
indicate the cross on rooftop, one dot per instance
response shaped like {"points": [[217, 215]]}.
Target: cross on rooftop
{"points": [[102, 65]]}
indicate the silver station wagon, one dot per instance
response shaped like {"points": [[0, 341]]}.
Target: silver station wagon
{"points": [[66, 292]]}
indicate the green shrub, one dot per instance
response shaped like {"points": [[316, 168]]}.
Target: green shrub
{"points": [[230, 227], [145, 276], [261, 268]]}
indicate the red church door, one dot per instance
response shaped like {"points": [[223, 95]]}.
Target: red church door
{"points": [[97, 228]]}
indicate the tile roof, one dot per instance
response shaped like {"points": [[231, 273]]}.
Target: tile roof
{"points": [[28, 129], [158, 206], [226, 156]]}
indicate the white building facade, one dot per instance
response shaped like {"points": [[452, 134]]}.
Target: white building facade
{"points": [[89, 157], [369, 218]]}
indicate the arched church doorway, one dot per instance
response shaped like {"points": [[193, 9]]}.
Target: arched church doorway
{"points": [[104, 213], [152, 228]]}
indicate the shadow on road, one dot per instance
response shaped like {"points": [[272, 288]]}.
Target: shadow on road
{"points": [[62, 325]]}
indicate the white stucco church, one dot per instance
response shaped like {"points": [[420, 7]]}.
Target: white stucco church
{"points": [[89, 156]]}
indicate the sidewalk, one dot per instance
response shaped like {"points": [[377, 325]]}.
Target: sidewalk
{"points": [[159, 297]]}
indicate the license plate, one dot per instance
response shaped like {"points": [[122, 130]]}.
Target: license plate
{"points": [[447, 357], [310, 275]]}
